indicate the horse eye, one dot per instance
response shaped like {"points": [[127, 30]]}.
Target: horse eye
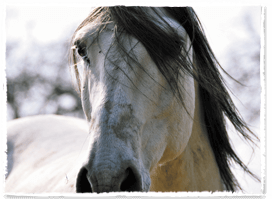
{"points": [[81, 51]]}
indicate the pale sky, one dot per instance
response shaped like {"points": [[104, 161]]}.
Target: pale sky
{"points": [[50, 22]]}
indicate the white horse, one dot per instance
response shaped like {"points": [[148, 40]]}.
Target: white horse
{"points": [[155, 104]]}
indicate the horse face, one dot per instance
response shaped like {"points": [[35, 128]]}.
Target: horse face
{"points": [[135, 122]]}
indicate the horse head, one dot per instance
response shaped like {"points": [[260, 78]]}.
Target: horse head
{"points": [[135, 120]]}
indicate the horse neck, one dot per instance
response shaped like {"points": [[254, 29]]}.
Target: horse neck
{"points": [[196, 168]]}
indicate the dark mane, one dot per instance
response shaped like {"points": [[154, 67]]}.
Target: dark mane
{"points": [[164, 48]]}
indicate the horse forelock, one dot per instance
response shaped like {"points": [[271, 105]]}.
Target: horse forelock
{"points": [[164, 48]]}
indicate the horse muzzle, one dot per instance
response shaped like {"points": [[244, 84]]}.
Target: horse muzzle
{"points": [[110, 177]]}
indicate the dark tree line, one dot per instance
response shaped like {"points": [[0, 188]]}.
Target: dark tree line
{"points": [[39, 80]]}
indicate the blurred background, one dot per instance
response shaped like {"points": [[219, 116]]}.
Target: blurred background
{"points": [[39, 80]]}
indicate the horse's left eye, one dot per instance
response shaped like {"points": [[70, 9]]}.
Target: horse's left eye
{"points": [[82, 52]]}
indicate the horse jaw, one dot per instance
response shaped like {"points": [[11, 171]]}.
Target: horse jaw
{"points": [[195, 169]]}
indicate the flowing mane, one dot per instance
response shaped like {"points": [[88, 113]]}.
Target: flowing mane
{"points": [[164, 47]]}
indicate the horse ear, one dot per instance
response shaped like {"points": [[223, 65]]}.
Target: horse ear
{"points": [[82, 183]]}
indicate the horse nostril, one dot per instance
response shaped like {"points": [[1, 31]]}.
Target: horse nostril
{"points": [[104, 181], [82, 183], [130, 182]]}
